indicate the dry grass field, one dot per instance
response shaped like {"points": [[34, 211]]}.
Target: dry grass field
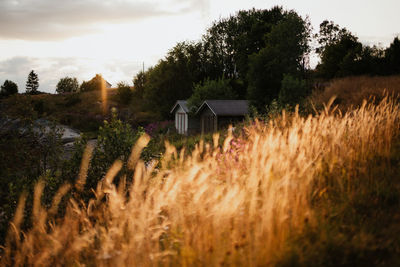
{"points": [[351, 91], [269, 196]]}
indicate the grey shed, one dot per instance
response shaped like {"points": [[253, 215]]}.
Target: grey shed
{"points": [[185, 123], [217, 114]]}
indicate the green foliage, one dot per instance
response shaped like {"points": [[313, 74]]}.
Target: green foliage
{"points": [[210, 89], [252, 49], [172, 78], [285, 52], [139, 82], [67, 85], [329, 33], [115, 141], [293, 90], [95, 84], [8, 88], [124, 93], [229, 42], [32, 84], [28, 150], [392, 56], [339, 59], [343, 55]]}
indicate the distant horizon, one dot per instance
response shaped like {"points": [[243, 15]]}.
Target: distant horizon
{"points": [[81, 39]]}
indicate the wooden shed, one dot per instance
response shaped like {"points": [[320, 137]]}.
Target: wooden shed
{"points": [[185, 123], [217, 114]]}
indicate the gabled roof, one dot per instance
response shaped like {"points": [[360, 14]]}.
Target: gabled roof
{"points": [[182, 104], [226, 107]]}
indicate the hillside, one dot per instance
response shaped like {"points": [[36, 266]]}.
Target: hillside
{"points": [[83, 111], [314, 190]]}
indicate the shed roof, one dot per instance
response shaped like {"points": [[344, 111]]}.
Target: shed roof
{"points": [[226, 107], [181, 103]]}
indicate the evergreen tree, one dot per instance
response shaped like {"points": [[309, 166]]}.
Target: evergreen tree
{"points": [[32, 84]]}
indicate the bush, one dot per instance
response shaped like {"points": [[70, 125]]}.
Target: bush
{"points": [[67, 85], [124, 93], [72, 100], [293, 90], [210, 89], [114, 142], [8, 88]]}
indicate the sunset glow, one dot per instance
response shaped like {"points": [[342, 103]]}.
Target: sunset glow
{"points": [[116, 40]]}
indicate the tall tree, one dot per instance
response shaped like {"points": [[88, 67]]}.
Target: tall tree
{"points": [[393, 57], [229, 42], [286, 50], [67, 85], [173, 77], [138, 83], [329, 33], [32, 84], [8, 88], [339, 50]]}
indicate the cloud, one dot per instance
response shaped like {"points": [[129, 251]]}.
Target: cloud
{"points": [[61, 19], [16, 69]]}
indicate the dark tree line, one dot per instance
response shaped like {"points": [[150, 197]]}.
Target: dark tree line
{"points": [[260, 55], [250, 52], [342, 54]]}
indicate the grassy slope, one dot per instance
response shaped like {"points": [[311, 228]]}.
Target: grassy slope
{"points": [[360, 227], [225, 209], [82, 111]]}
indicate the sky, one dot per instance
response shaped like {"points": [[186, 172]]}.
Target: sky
{"points": [[117, 38]]}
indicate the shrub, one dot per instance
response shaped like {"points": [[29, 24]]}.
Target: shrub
{"points": [[72, 100], [124, 93], [8, 88], [67, 85], [293, 91], [210, 89]]}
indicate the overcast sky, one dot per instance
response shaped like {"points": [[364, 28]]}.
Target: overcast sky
{"points": [[79, 38]]}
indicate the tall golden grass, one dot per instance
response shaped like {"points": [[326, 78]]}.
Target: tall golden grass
{"points": [[232, 205], [350, 91]]}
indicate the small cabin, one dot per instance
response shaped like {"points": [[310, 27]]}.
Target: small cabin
{"points": [[185, 123], [217, 114]]}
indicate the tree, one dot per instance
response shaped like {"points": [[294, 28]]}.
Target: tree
{"points": [[32, 84], [114, 141], [173, 78], [67, 85], [293, 90], [340, 51], [229, 42], [8, 88], [286, 50], [210, 89], [138, 82], [392, 57], [124, 93], [95, 84], [340, 58], [329, 33]]}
